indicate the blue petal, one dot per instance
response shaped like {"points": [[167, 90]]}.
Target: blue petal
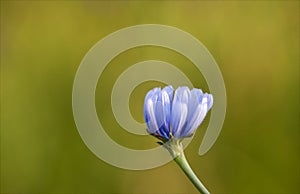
{"points": [[149, 110], [193, 108], [161, 117], [210, 101], [167, 96], [166, 101], [179, 110], [148, 96], [205, 102]]}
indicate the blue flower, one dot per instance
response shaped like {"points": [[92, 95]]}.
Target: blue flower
{"points": [[176, 117]]}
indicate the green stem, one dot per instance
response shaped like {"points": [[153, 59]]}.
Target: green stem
{"points": [[184, 165]]}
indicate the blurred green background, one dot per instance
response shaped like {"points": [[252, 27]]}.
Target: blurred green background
{"points": [[255, 43]]}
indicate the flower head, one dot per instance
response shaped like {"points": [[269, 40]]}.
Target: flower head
{"points": [[177, 117]]}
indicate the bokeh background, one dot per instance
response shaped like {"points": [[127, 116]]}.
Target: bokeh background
{"points": [[255, 43]]}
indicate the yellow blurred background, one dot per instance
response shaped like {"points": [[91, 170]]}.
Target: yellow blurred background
{"points": [[255, 43]]}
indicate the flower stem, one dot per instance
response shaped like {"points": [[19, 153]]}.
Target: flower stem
{"points": [[184, 165]]}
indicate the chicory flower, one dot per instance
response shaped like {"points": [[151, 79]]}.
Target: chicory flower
{"points": [[176, 117]]}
